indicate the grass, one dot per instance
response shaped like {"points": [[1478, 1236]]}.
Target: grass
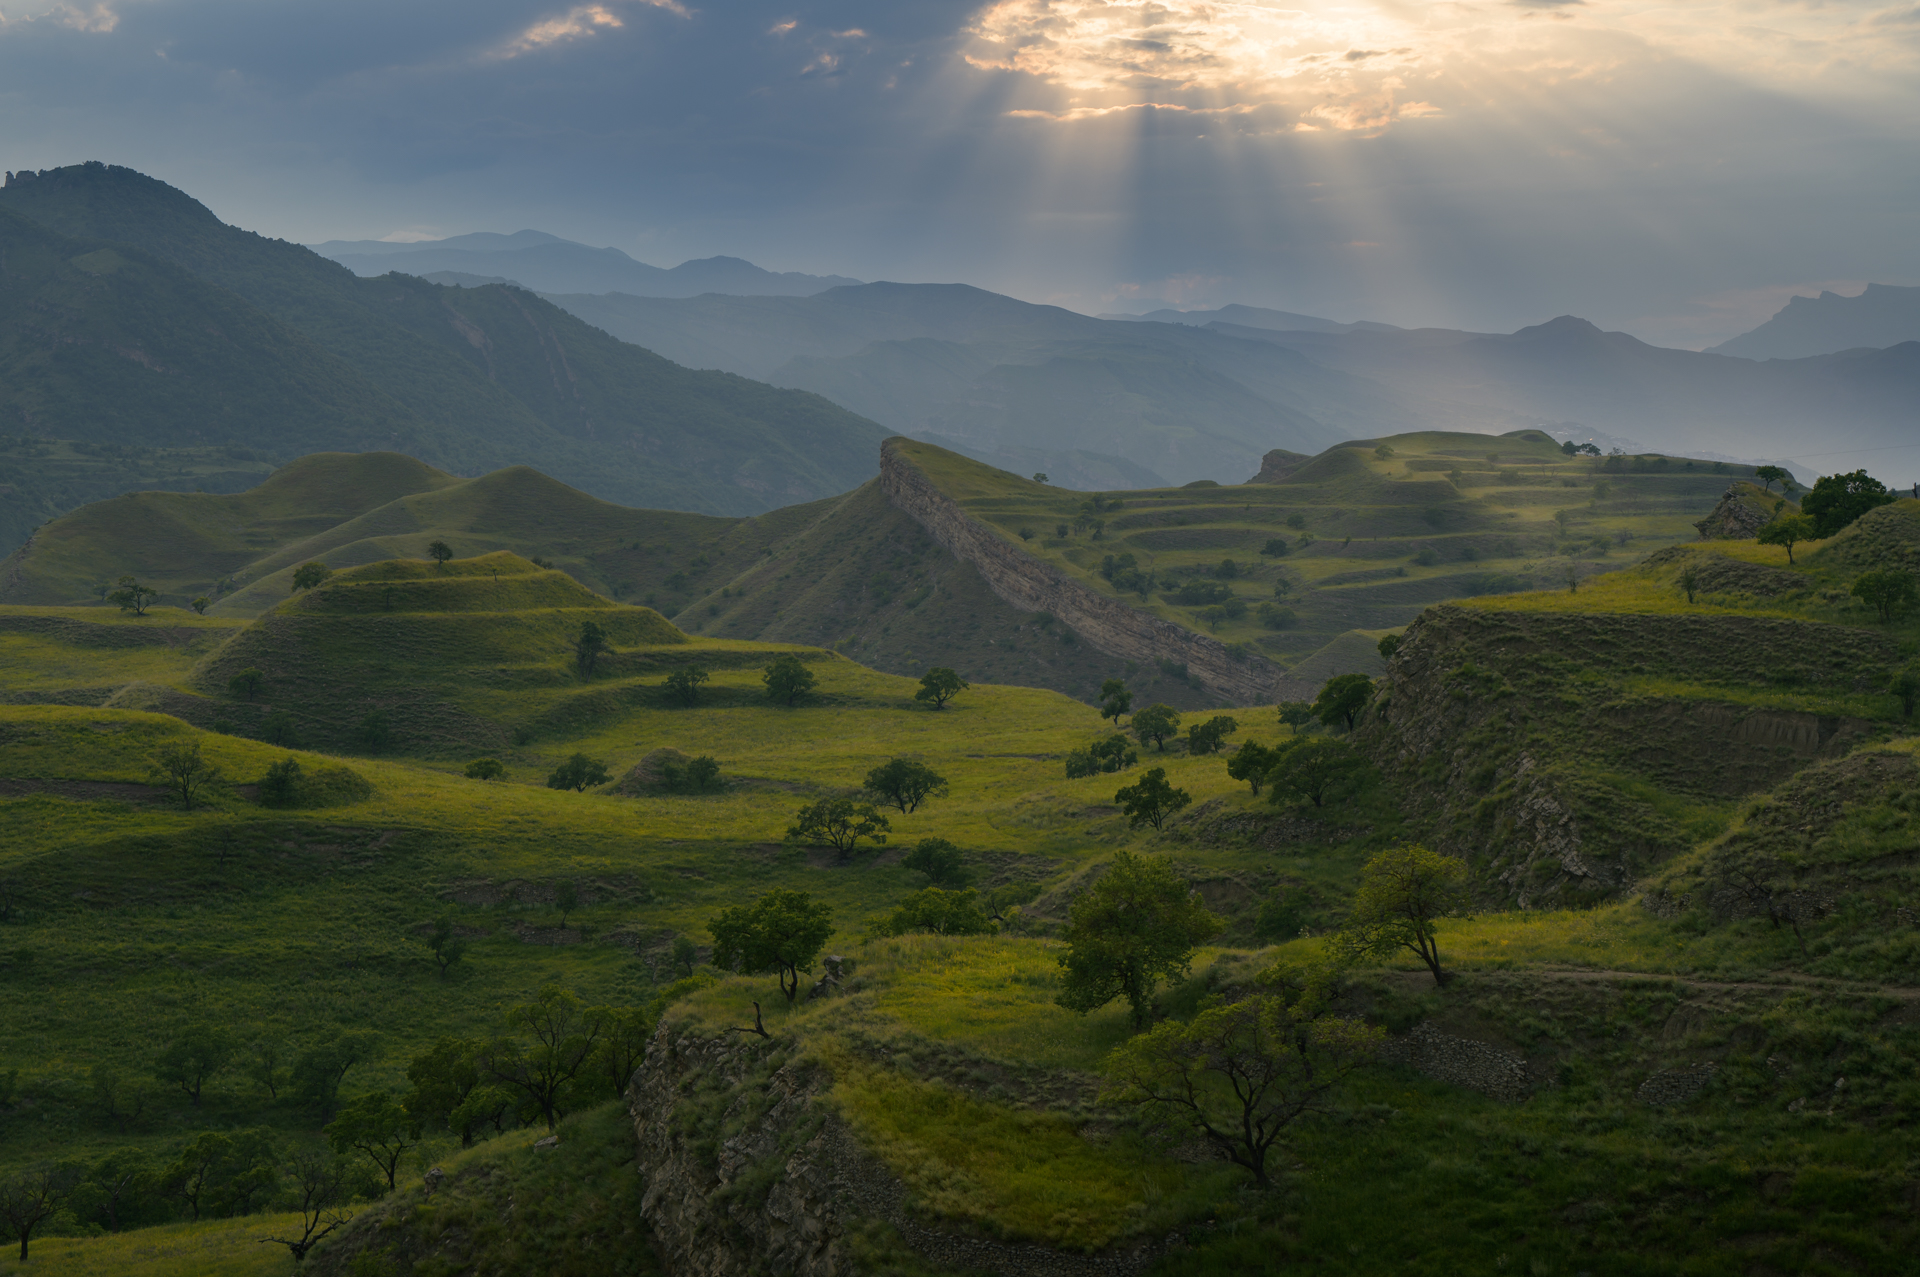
{"points": [[214, 1247]]}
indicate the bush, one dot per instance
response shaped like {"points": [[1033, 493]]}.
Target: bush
{"points": [[698, 775], [1200, 593], [1109, 755], [1275, 617], [486, 769], [944, 913], [578, 773], [939, 860], [1277, 547], [287, 784]]}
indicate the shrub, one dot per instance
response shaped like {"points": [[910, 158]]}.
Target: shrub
{"points": [[697, 775], [787, 679], [939, 860], [486, 769], [1275, 617], [1210, 737], [1888, 592], [1109, 755], [944, 913], [1277, 547], [684, 684], [577, 774]]}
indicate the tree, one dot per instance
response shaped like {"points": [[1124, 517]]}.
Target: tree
{"points": [[1906, 686], [685, 954], [623, 1044], [1133, 928], [246, 684], [1150, 800], [1312, 769], [1210, 737], [118, 1180], [284, 784], [183, 771], [320, 1070], [940, 685], [1251, 763], [906, 784], [1888, 592], [578, 773], [196, 1055], [1295, 715], [265, 1064], [1787, 531], [309, 575], [944, 913], [1242, 1073], [1388, 645], [374, 734], [787, 679], [1690, 581], [1104, 756], [486, 769], [319, 1185], [29, 1198], [698, 775], [377, 1125], [1115, 700], [566, 898], [446, 947], [1770, 475], [277, 729], [232, 1173], [1342, 699], [782, 932], [560, 1035], [1836, 500], [1039, 477], [685, 684], [1403, 893], [451, 1091], [439, 552], [1276, 547], [939, 860], [841, 822], [131, 596], [1155, 723], [589, 648], [200, 605]]}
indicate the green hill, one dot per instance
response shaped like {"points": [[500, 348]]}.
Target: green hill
{"points": [[467, 379]]}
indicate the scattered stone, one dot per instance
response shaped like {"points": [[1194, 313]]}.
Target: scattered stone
{"points": [[551, 1141], [433, 1179], [1670, 1088], [1463, 1062]]}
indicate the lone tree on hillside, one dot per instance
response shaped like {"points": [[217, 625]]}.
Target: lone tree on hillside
{"points": [[246, 684], [1155, 723], [906, 784], [133, 597], [200, 605], [1251, 763], [1115, 700], [1388, 645], [940, 861], [1888, 592], [1312, 769], [1150, 800], [486, 769], [1690, 581], [787, 679], [377, 1125], [1342, 699], [782, 932], [1133, 928], [544, 1046], [840, 822], [447, 948], [1836, 500], [685, 684], [940, 685], [1210, 737], [1242, 1073], [1403, 894], [183, 771], [578, 773], [309, 575], [685, 954], [589, 648], [1787, 531], [1770, 475], [29, 1198], [439, 552]]}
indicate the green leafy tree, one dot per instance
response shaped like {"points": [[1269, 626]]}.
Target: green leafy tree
{"points": [[697, 775], [1906, 687], [1150, 800], [1296, 715], [1342, 699], [200, 605], [284, 785], [265, 1064], [439, 552], [1770, 475], [1133, 928], [1277, 548], [1690, 581], [194, 1175], [377, 1126], [685, 954], [131, 596], [840, 822], [1155, 723], [939, 860], [1836, 500], [1313, 769], [31, 1197], [546, 1044], [116, 1184], [906, 784], [183, 771], [446, 946], [277, 729], [1887, 592], [685, 684], [486, 769], [309, 575], [1251, 763], [1403, 894], [1115, 700], [320, 1070], [624, 1032], [1787, 531], [451, 1091], [1388, 645], [589, 648], [944, 913], [1210, 737], [1242, 1074], [781, 932], [787, 679], [578, 773], [1105, 756], [940, 685], [246, 684]]}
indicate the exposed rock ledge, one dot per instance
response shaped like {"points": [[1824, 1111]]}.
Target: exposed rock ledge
{"points": [[791, 1189], [1108, 624]]}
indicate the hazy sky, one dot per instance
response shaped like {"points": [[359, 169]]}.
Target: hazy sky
{"points": [[1676, 170]]}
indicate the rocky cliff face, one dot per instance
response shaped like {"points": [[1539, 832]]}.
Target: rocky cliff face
{"points": [[1739, 516], [1106, 623]]}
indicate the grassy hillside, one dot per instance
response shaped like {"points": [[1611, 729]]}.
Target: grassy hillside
{"points": [[469, 380]]}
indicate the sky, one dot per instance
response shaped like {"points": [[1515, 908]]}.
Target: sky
{"points": [[1673, 170]]}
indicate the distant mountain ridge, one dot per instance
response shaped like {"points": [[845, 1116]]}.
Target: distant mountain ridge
{"points": [[548, 264], [1882, 316], [1255, 317]]}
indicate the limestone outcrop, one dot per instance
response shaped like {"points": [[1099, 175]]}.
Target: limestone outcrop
{"points": [[1739, 516], [1108, 624]]}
